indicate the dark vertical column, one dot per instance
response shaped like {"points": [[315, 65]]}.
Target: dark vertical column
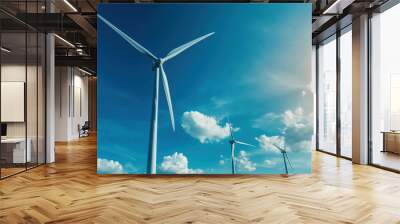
{"points": [[369, 71], [45, 89], [37, 88], [0, 94], [338, 91], [317, 97], [26, 86]]}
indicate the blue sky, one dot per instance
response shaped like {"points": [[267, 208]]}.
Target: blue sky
{"points": [[254, 72]]}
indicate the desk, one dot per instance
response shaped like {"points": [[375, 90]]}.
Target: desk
{"points": [[391, 142], [16, 153]]}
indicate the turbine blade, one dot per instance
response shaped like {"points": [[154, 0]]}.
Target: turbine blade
{"points": [[183, 47], [131, 41], [168, 97], [276, 146], [244, 143], [290, 164]]}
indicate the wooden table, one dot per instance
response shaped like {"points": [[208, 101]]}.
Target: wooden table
{"points": [[391, 141]]}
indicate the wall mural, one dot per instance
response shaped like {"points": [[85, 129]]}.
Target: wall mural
{"points": [[204, 89]]}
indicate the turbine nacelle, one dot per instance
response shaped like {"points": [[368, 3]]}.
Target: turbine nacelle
{"points": [[285, 157], [157, 63], [233, 142], [279, 148]]}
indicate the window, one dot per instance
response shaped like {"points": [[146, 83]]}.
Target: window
{"points": [[385, 89], [346, 92], [327, 95], [22, 77], [394, 102]]}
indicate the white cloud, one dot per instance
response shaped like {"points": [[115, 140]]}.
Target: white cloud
{"points": [[204, 128], [267, 143], [293, 119], [177, 163], [222, 160], [296, 127], [244, 162], [105, 166]]}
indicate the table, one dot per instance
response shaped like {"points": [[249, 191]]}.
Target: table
{"points": [[13, 150], [391, 141]]}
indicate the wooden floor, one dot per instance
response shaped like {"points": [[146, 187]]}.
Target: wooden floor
{"points": [[5, 172], [70, 191], [387, 159]]}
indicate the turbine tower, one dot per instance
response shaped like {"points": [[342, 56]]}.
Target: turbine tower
{"points": [[233, 142], [285, 158], [157, 68]]}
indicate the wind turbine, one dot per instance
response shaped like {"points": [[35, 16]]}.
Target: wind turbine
{"points": [[285, 158], [157, 67], [233, 142]]}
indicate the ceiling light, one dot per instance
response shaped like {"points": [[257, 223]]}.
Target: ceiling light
{"points": [[5, 50], [338, 6], [326, 11], [84, 71], [65, 41], [70, 5]]}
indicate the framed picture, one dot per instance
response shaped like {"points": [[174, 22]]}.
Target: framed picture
{"points": [[204, 89]]}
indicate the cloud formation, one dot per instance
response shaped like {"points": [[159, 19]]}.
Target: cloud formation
{"points": [[244, 163], [294, 119], [267, 143], [204, 128], [296, 130], [105, 166], [177, 163]]}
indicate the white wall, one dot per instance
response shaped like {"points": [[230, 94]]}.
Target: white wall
{"points": [[71, 102], [17, 73], [33, 126], [80, 111], [61, 103]]}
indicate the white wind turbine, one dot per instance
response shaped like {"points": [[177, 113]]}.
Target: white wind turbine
{"points": [[285, 157], [157, 67], [233, 142]]}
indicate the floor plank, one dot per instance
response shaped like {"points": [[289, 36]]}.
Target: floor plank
{"points": [[70, 191]]}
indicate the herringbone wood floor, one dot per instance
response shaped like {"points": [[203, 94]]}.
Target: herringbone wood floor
{"points": [[70, 191]]}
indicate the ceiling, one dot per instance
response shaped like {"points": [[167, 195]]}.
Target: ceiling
{"points": [[75, 21]]}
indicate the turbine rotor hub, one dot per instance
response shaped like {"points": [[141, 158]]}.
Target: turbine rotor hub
{"points": [[157, 63]]}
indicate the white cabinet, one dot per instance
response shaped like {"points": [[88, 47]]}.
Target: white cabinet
{"points": [[19, 154]]}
